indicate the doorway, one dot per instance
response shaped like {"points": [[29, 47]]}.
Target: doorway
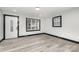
{"points": [[11, 26]]}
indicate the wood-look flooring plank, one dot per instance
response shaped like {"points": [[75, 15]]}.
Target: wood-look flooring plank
{"points": [[38, 43]]}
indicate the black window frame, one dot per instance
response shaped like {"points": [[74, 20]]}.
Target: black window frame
{"points": [[33, 30], [60, 18]]}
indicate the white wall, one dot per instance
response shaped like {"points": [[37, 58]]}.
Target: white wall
{"points": [[69, 29], [22, 24], [70, 26], [1, 26]]}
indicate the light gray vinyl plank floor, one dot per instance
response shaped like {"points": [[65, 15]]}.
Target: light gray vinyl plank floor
{"points": [[38, 43]]}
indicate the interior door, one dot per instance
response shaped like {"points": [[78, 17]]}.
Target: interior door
{"points": [[11, 27]]}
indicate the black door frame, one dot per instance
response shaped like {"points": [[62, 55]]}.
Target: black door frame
{"points": [[5, 27]]}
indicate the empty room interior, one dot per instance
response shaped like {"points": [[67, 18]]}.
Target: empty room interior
{"points": [[39, 29]]}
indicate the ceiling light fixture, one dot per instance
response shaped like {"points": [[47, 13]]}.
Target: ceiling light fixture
{"points": [[37, 8]]}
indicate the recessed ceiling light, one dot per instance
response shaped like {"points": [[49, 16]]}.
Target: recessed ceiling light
{"points": [[37, 8]]}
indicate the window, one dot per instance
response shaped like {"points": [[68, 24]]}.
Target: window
{"points": [[57, 21], [32, 24]]}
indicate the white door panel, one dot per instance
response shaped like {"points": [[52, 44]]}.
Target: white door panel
{"points": [[10, 27]]}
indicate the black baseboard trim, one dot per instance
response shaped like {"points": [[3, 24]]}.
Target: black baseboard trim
{"points": [[49, 35], [1, 40], [31, 35], [62, 38], [22, 36]]}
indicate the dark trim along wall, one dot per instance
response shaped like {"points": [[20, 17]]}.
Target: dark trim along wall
{"points": [[53, 36], [62, 38], [31, 34], [49, 35], [1, 40]]}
